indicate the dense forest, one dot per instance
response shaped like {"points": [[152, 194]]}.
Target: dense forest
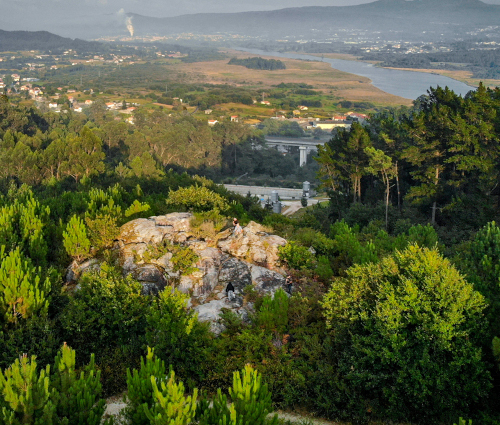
{"points": [[394, 311], [259, 63]]}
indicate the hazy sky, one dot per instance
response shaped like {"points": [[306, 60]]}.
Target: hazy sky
{"points": [[67, 16]]}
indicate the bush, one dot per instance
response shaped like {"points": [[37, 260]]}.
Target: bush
{"points": [[197, 199], [273, 313], [106, 316], [405, 328], [177, 336], [296, 256]]}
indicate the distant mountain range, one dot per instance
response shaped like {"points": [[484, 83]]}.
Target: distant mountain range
{"points": [[42, 40], [405, 19]]}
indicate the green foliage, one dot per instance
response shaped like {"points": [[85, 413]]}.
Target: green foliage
{"points": [[171, 406], [22, 220], [273, 312], [75, 239], [258, 63], [251, 402], [25, 394], [197, 198], [183, 259], [405, 327], [63, 397], [296, 256], [496, 350], [177, 336], [76, 397], [23, 293], [106, 316], [251, 399], [102, 230], [206, 225], [103, 215], [482, 263], [140, 390], [136, 208], [423, 236]]}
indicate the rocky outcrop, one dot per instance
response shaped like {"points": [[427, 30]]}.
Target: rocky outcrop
{"points": [[250, 258]]}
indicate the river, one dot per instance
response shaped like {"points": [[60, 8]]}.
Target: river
{"points": [[407, 84]]}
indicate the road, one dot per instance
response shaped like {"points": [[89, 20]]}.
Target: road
{"points": [[294, 206]]}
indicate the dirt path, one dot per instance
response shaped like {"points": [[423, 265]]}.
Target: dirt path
{"points": [[303, 420], [114, 406]]}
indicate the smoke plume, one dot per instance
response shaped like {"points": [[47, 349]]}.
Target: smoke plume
{"points": [[130, 27], [122, 18]]}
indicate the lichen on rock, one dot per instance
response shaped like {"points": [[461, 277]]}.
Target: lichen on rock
{"points": [[143, 250]]}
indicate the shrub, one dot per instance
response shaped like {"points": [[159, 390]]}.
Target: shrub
{"points": [[106, 316], [406, 328], [296, 256], [273, 313], [196, 198], [177, 336]]}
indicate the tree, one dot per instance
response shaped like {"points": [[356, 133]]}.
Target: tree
{"points": [[76, 397], [273, 313], [344, 158], [391, 138], [380, 163], [406, 328], [251, 402], [482, 264], [450, 142], [140, 389], [25, 394], [61, 398], [171, 406], [22, 292], [75, 239], [177, 336], [106, 316], [85, 155]]}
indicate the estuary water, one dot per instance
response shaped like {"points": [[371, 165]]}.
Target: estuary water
{"points": [[407, 84]]}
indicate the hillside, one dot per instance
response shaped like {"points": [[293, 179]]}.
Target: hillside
{"points": [[42, 40], [418, 19]]}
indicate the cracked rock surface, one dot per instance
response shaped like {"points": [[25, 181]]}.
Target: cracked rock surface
{"points": [[250, 258]]}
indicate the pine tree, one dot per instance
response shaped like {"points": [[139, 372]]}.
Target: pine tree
{"points": [[251, 399], [21, 292], [75, 241], [76, 397], [140, 389], [171, 406], [344, 159], [26, 394]]}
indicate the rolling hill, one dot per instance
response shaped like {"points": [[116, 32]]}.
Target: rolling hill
{"points": [[414, 19]]}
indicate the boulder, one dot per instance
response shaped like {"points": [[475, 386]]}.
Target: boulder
{"points": [[250, 258], [253, 244]]}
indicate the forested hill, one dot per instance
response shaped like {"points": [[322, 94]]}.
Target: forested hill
{"points": [[42, 40], [412, 18]]}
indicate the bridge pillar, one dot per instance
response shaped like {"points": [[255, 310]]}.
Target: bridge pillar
{"points": [[303, 155]]}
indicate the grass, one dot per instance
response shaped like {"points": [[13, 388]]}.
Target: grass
{"points": [[318, 74]]}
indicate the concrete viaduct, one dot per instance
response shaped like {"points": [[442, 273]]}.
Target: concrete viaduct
{"points": [[305, 145]]}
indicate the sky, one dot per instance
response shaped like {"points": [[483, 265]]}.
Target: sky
{"points": [[70, 17]]}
